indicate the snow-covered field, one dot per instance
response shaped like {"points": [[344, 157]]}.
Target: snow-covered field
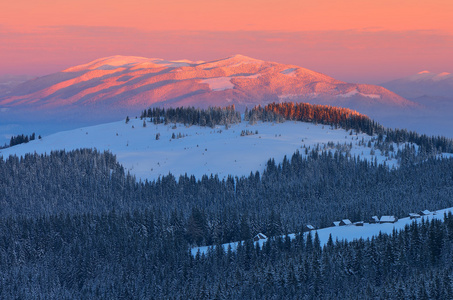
{"points": [[349, 232], [200, 150]]}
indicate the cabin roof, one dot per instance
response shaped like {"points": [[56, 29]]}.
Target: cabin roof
{"points": [[388, 219]]}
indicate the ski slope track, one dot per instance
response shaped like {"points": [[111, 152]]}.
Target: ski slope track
{"points": [[203, 150]]}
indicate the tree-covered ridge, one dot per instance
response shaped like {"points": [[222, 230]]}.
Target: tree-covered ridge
{"points": [[193, 116], [305, 112], [317, 189], [134, 256], [337, 117], [348, 120], [20, 139]]}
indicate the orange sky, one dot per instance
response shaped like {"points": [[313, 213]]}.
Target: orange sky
{"points": [[348, 39]]}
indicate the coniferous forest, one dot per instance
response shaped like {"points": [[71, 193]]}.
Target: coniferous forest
{"points": [[74, 225]]}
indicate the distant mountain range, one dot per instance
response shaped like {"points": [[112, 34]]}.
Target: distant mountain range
{"points": [[433, 92], [110, 88], [126, 83], [423, 84]]}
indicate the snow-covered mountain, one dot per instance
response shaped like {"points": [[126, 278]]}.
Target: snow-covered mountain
{"points": [[423, 84], [126, 84], [204, 150]]}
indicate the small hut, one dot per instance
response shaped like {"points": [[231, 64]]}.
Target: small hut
{"points": [[414, 216], [259, 236], [335, 223], [359, 223], [425, 212], [374, 220], [345, 222], [309, 227]]}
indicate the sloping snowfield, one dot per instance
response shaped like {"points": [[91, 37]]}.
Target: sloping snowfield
{"points": [[349, 232], [200, 150]]}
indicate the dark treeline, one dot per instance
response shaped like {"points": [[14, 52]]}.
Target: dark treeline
{"points": [[193, 116], [346, 119], [20, 139], [317, 190], [135, 256]]}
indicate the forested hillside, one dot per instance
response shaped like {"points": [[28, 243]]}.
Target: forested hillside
{"points": [[75, 225], [317, 190], [134, 256]]}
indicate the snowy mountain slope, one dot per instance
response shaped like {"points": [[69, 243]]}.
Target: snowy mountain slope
{"points": [[120, 83], [347, 233], [422, 84], [201, 150]]}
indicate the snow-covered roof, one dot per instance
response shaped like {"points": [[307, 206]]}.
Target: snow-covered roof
{"points": [[414, 215], [425, 212], [311, 227], [346, 222], [375, 218], [336, 223], [388, 219], [260, 236]]}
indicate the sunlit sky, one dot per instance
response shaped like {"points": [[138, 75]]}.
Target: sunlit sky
{"points": [[356, 40]]}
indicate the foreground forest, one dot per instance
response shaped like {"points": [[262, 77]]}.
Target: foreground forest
{"points": [[74, 225]]}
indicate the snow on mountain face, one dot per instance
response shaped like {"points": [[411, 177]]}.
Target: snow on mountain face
{"points": [[129, 84], [424, 83], [202, 150]]}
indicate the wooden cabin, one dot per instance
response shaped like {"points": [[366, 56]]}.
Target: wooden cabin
{"points": [[309, 227], [259, 236], [359, 223], [414, 216], [425, 212], [374, 220], [345, 222]]}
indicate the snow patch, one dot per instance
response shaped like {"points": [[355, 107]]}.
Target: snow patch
{"points": [[356, 92], [289, 97], [290, 72], [219, 83]]}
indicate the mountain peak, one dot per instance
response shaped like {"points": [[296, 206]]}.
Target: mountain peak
{"points": [[242, 57]]}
